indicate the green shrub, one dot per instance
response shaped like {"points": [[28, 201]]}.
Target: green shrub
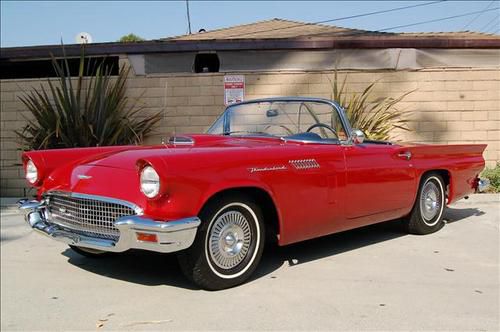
{"points": [[493, 174], [88, 110]]}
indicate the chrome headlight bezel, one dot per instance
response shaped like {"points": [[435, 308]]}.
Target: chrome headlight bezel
{"points": [[31, 172], [149, 182]]}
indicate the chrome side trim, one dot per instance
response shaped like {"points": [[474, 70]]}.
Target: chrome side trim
{"points": [[285, 139], [302, 164], [138, 210], [268, 169], [171, 235]]}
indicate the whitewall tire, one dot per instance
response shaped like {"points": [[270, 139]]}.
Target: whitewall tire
{"points": [[228, 245], [427, 214]]}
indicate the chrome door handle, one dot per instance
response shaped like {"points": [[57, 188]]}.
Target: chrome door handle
{"points": [[406, 155]]}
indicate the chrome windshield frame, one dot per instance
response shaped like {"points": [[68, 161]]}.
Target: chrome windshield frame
{"points": [[340, 111]]}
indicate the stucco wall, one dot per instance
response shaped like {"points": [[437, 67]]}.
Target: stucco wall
{"points": [[449, 105]]}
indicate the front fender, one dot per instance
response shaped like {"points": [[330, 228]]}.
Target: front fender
{"points": [[187, 195], [217, 188]]}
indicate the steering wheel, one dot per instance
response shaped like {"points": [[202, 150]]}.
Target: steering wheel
{"points": [[280, 126], [322, 125]]}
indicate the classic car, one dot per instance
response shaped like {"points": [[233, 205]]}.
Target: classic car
{"points": [[285, 169]]}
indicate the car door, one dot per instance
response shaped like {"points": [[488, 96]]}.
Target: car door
{"points": [[309, 193], [380, 182]]}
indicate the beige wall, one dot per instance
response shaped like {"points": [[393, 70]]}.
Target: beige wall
{"points": [[449, 105]]}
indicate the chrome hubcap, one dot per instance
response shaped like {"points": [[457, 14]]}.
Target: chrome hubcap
{"points": [[430, 201], [229, 239]]}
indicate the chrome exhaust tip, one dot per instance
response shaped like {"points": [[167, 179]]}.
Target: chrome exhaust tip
{"points": [[483, 185]]}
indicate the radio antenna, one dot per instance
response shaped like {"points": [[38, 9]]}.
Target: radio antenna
{"points": [[188, 16]]}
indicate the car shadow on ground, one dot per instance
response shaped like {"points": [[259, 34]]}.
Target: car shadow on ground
{"points": [[338, 243], [135, 266], [453, 215], [152, 269]]}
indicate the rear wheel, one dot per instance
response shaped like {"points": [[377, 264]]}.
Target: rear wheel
{"points": [[427, 214], [88, 252], [228, 245]]}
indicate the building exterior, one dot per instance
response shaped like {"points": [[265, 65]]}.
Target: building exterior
{"points": [[455, 78]]}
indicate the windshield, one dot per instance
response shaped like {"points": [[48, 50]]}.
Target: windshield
{"points": [[281, 119]]}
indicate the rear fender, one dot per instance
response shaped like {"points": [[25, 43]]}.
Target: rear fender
{"points": [[462, 163]]}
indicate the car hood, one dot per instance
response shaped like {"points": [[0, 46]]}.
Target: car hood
{"points": [[127, 158]]}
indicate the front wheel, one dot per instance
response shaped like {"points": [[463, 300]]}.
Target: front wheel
{"points": [[228, 245], [427, 214]]}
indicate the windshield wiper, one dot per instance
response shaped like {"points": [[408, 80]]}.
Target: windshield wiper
{"points": [[246, 132]]}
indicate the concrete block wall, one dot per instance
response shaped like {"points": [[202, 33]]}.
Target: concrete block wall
{"points": [[448, 106]]}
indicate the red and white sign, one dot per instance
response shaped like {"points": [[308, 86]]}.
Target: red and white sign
{"points": [[234, 89]]}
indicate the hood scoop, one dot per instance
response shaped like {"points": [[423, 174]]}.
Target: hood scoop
{"points": [[180, 140]]}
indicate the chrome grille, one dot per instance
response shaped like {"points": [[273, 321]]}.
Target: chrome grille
{"points": [[87, 216]]}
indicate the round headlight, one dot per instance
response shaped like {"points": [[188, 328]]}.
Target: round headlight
{"points": [[150, 182], [31, 172]]}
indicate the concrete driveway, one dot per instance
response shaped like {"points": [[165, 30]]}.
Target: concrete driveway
{"points": [[371, 278]]}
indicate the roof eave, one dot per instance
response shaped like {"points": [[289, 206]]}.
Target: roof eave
{"points": [[247, 44]]}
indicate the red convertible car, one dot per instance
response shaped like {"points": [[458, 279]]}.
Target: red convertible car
{"points": [[288, 169]]}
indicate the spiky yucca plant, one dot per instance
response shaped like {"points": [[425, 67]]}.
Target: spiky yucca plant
{"points": [[375, 117], [88, 110]]}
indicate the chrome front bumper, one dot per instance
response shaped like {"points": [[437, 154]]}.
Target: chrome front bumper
{"points": [[171, 235]]}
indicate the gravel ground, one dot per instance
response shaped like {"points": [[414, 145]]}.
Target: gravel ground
{"points": [[371, 278]]}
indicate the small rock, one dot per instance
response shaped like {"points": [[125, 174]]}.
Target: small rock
{"points": [[101, 321], [478, 291], [54, 297], [382, 305], [449, 270]]}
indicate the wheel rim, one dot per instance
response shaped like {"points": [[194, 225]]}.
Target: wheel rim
{"points": [[229, 240], [430, 202]]}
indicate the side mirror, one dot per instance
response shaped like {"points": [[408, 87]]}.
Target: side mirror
{"points": [[357, 136]]}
